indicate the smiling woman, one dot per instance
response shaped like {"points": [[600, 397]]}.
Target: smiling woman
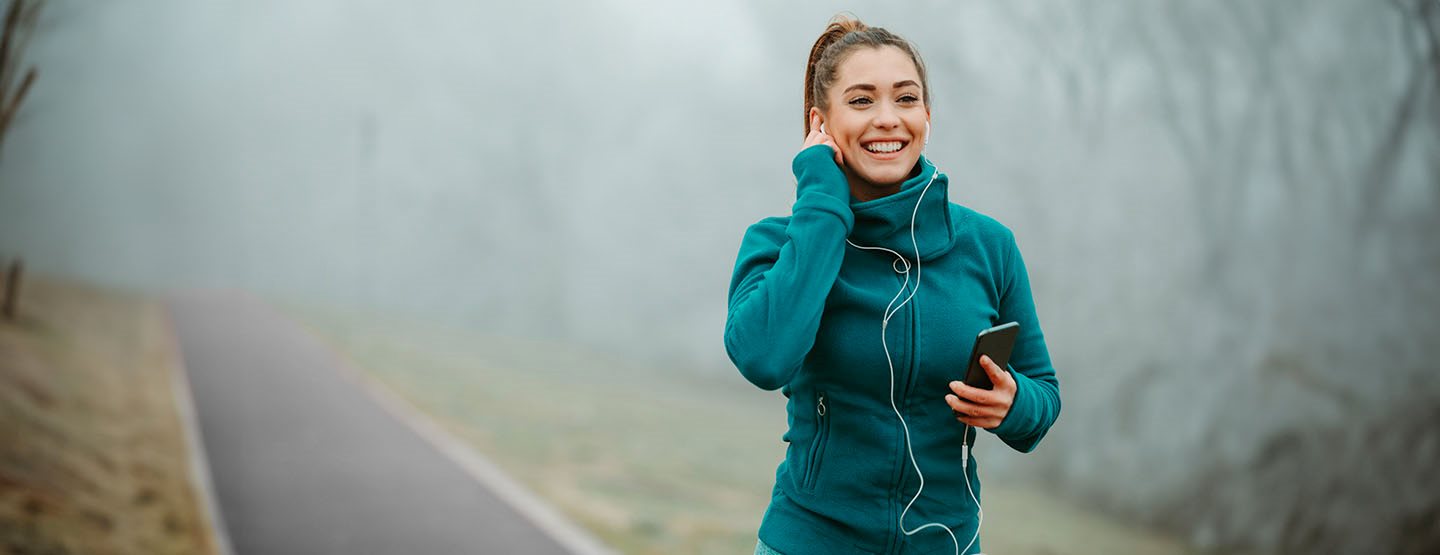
{"points": [[880, 118], [876, 272]]}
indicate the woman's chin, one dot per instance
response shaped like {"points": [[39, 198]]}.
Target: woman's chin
{"points": [[888, 171], [884, 178]]}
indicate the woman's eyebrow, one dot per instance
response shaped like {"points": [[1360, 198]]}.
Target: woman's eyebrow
{"points": [[872, 88]]}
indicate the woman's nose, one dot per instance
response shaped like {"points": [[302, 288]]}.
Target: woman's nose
{"points": [[886, 117]]}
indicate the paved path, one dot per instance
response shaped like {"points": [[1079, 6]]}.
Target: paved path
{"points": [[305, 462]]}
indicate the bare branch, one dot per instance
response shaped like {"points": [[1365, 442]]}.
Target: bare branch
{"points": [[1378, 177], [8, 108], [7, 38]]}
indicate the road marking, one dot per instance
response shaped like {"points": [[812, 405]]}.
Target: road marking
{"points": [[199, 461]]}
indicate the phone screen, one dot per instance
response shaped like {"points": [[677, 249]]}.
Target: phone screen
{"points": [[997, 342]]}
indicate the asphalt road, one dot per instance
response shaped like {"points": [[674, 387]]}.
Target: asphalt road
{"points": [[304, 461]]}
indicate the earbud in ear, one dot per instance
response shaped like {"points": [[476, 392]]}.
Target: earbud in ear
{"points": [[822, 128], [927, 134]]}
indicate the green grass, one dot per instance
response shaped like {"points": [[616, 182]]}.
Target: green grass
{"points": [[650, 460]]}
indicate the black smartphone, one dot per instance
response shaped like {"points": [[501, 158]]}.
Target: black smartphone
{"points": [[996, 342]]}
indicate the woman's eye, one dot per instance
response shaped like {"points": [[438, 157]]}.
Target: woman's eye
{"points": [[860, 101], [908, 99]]}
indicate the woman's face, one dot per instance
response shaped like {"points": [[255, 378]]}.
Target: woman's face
{"points": [[877, 117]]}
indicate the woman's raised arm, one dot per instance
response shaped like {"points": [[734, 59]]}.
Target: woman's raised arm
{"points": [[784, 273]]}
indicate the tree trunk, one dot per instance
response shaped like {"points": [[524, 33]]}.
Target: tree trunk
{"points": [[12, 290]]}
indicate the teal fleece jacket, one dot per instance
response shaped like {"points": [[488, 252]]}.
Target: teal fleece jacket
{"points": [[804, 317]]}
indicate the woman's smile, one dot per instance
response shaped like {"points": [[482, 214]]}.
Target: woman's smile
{"points": [[884, 149]]}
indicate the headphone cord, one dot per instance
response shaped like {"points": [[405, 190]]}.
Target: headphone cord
{"points": [[902, 266]]}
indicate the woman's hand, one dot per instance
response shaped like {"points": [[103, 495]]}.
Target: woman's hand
{"points": [[816, 137], [983, 408]]}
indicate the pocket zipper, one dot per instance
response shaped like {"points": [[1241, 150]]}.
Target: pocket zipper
{"points": [[822, 435]]}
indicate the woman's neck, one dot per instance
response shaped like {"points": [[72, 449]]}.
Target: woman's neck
{"points": [[864, 190]]}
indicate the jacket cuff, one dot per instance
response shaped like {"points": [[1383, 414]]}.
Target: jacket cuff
{"points": [[816, 171], [1021, 419], [820, 186]]}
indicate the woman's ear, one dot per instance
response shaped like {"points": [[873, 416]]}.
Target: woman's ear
{"points": [[927, 127], [817, 116]]}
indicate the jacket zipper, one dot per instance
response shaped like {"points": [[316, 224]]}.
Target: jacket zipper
{"points": [[817, 447], [908, 377]]}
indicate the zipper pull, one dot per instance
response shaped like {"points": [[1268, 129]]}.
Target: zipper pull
{"points": [[820, 406]]}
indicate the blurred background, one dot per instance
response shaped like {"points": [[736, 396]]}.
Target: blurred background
{"points": [[1229, 211]]}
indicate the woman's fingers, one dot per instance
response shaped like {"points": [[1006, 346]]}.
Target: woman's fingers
{"points": [[973, 394], [982, 420], [959, 406], [966, 408], [814, 138], [980, 407], [998, 375], [831, 143], [818, 137]]}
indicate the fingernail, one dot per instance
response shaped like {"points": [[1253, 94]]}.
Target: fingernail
{"points": [[955, 384]]}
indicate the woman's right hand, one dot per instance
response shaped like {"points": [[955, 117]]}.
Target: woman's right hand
{"points": [[816, 137]]}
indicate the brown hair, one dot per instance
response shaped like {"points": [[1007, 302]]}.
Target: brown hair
{"points": [[843, 35]]}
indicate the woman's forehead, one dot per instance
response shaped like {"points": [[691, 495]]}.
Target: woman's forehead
{"points": [[881, 67]]}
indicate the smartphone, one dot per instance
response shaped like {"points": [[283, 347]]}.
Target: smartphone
{"points": [[997, 342]]}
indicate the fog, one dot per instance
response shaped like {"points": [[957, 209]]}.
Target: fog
{"points": [[1229, 210]]}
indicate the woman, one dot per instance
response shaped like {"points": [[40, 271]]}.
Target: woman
{"points": [[862, 307]]}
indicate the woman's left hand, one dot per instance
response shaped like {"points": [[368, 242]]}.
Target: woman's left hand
{"points": [[983, 408]]}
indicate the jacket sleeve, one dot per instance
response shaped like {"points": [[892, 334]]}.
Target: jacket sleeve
{"points": [[784, 273], [1037, 391]]}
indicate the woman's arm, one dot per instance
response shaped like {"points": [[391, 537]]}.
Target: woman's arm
{"points": [[784, 273], [1037, 391]]}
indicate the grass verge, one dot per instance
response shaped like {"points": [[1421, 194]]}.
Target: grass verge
{"points": [[92, 452]]}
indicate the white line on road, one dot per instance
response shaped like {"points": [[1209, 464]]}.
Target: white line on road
{"points": [[199, 461]]}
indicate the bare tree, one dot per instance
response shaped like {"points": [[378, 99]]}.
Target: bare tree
{"points": [[20, 18], [1307, 131], [1420, 105], [19, 23]]}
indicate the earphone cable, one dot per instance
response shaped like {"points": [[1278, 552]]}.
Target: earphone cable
{"points": [[890, 310]]}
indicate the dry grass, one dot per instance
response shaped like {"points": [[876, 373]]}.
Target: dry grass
{"points": [[92, 453]]}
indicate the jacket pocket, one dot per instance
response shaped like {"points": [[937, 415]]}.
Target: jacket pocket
{"points": [[817, 446]]}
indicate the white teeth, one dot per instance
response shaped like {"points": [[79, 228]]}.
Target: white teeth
{"points": [[883, 146]]}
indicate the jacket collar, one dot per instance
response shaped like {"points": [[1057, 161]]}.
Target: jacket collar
{"points": [[885, 222]]}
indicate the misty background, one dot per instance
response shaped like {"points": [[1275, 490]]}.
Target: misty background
{"points": [[1229, 210]]}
